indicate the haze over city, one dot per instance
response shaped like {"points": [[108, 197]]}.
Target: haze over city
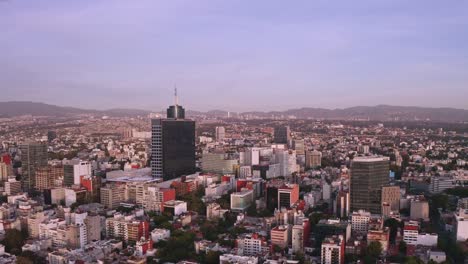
{"points": [[235, 55]]}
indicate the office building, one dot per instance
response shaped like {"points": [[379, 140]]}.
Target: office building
{"points": [[282, 135], [360, 222], [112, 195], [288, 195], [368, 176], [313, 159], [220, 133], [411, 232], [33, 156], [439, 184], [245, 172], [125, 228], [280, 236], [252, 245], [172, 144], [12, 186], [419, 209], [51, 135], [6, 167], [218, 163], [172, 148], [330, 227], [175, 207], [299, 146], [391, 196], [297, 238], [49, 177], [342, 204], [93, 227], [252, 156], [74, 170], [333, 250], [155, 197], [76, 236], [240, 201]]}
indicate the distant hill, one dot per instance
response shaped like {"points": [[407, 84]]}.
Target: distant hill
{"points": [[379, 112], [11, 109]]}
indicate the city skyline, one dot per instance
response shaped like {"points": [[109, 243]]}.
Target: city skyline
{"points": [[236, 56]]}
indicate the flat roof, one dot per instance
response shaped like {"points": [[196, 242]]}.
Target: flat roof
{"points": [[371, 158]]}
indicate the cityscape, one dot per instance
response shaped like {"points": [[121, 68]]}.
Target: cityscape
{"points": [[232, 132], [169, 188]]}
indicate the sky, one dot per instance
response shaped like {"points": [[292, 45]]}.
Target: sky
{"points": [[234, 55]]}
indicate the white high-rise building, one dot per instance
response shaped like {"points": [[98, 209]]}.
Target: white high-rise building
{"points": [[252, 245], [252, 156], [74, 169], [360, 222], [461, 225], [411, 232], [333, 248], [297, 240], [245, 172], [220, 133], [326, 191]]}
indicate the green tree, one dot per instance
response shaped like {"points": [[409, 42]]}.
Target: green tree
{"points": [[374, 249], [393, 225], [212, 257], [29, 257], [13, 241], [277, 249], [440, 201], [299, 256], [402, 247], [413, 260]]}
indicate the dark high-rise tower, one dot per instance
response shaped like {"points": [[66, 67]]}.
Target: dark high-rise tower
{"points": [[368, 176], [172, 144], [176, 111], [33, 156], [282, 135]]}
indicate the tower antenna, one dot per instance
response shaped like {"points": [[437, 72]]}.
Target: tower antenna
{"points": [[175, 96]]}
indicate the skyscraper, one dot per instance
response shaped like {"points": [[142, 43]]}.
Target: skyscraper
{"points": [[368, 176], [176, 111], [220, 133], [282, 135], [33, 156], [313, 159], [172, 144]]}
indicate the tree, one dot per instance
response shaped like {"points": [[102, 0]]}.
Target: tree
{"points": [[277, 249], [402, 247], [413, 260], [440, 201], [393, 225], [374, 249], [299, 256], [29, 257], [14, 241], [212, 257]]}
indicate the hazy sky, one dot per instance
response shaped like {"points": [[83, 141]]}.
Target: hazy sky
{"points": [[234, 55]]}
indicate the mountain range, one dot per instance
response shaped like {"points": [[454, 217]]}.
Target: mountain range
{"points": [[379, 112]]}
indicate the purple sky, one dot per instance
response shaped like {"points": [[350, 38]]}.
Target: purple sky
{"points": [[235, 55]]}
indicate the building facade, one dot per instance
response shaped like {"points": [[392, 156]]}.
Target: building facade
{"points": [[368, 176]]}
